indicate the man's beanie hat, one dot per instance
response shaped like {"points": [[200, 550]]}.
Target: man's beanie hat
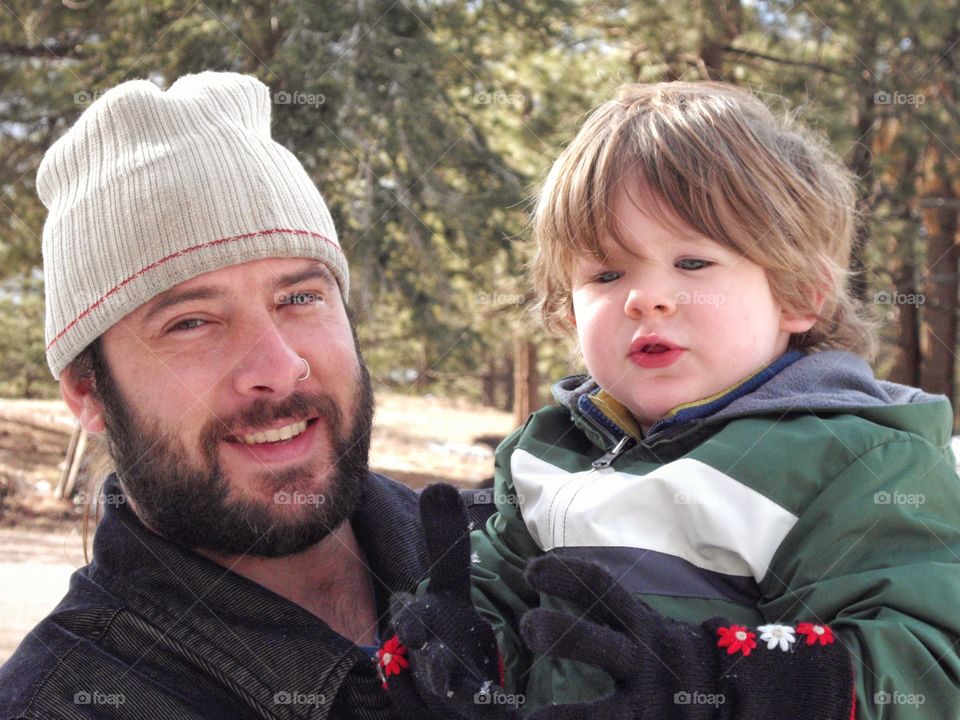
{"points": [[152, 188]]}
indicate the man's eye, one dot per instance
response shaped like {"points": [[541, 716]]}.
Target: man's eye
{"points": [[187, 324], [693, 264], [607, 276]]}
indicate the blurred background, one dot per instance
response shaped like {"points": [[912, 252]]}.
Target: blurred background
{"points": [[427, 125]]}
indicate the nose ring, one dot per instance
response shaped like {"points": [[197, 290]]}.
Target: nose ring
{"points": [[305, 374]]}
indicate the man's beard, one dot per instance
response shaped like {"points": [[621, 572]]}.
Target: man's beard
{"points": [[192, 507]]}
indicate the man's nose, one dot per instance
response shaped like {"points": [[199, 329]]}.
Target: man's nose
{"points": [[268, 364]]}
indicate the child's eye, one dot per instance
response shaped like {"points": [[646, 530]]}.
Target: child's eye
{"points": [[607, 276], [693, 264]]}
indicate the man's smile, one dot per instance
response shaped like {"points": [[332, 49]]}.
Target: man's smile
{"points": [[289, 442], [274, 434]]}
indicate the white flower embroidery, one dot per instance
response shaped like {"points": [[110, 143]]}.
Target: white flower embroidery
{"points": [[781, 635]]}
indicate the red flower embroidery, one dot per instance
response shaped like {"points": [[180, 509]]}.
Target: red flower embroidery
{"points": [[391, 658], [815, 633], [736, 638]]}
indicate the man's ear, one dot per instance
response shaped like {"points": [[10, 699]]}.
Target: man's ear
{"points": [[79, 395]]}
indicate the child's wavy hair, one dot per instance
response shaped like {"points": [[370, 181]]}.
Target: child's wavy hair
{"points": [[716, 158]]}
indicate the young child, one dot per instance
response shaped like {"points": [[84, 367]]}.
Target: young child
{"points": [[730, 459]]}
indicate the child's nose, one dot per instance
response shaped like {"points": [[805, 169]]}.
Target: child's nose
{"points": [[650, 300]]}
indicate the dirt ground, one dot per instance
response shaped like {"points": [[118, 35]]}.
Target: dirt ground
{"points": [[416, 440]]}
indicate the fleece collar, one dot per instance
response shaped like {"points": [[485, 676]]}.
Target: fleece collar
{"points": [[818, 381]]}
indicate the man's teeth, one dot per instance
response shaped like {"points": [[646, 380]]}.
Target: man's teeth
{"points": [[284, 433]]}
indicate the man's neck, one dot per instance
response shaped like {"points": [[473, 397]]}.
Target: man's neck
{"points": [[329, 580]]}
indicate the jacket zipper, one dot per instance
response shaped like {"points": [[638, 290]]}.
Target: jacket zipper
{"points": [[607, 459]]}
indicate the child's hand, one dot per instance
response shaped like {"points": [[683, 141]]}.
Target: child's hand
{"points": [[666, 668], [454, 662]]}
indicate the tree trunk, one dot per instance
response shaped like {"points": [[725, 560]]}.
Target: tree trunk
{"points": [[506, 383], [906, 367], [862, 161], [939, 340], [721, 23], [526, 381], [488, 392]]}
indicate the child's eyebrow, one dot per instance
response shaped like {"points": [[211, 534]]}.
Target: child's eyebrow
{"points": [[696, 238]]}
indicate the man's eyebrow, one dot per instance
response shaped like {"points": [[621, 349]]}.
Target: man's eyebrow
{"points": [[170, 299], [314, 272]]}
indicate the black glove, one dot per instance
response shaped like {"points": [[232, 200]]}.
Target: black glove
{"points": [[663, 668], [455, 667]]}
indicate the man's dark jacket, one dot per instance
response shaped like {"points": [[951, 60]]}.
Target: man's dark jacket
{"points": [[150, 630]]}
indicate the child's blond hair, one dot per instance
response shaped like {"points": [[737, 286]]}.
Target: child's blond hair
{"points": [[716, 158]]}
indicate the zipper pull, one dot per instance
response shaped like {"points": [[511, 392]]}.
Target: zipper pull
{"points": [[607, 460]]}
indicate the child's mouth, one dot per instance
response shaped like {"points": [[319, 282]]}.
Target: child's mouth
{"points": [[654, 354]]}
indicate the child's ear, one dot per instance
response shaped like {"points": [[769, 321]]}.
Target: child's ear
{"points": [[79, 395], [798, 322], [794, 324]]}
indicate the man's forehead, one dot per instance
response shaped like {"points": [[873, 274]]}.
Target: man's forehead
{"points": [[267, 272]]}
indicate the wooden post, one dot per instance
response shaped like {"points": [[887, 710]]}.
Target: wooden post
{"points": [[68, 462], [77, 462]]}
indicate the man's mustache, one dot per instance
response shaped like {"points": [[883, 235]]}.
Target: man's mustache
{"points": [[263, 413]]}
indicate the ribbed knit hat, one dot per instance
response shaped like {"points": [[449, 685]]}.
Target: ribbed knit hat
{"points": [[150, 188]]}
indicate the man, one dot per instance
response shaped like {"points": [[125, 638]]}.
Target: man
{"points": [[196, 314]]}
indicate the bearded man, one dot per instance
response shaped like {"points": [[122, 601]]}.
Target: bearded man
{"points": [[196, 314]]}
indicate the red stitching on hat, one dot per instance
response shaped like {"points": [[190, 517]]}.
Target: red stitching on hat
{"points": [[178, 254]]}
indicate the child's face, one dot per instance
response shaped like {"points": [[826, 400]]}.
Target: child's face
{"points": [[678, 319]]}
